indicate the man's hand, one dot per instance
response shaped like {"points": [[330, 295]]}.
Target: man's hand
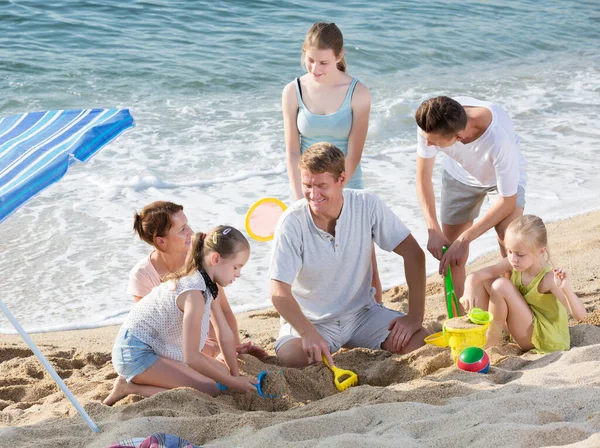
{"points": [[314, 346], [435, 242], [456, 255], [402, 329]]}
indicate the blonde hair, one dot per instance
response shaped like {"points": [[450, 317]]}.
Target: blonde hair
{"points": [[325, 36], [323, 157], [227, 241], [530, 230]]}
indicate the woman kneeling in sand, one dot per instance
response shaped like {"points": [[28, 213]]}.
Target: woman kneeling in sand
{"points": [[159, 346], [164, 226]]}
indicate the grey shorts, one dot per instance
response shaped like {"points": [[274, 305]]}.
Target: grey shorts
{"points": [[367, 328], [461, 203]]}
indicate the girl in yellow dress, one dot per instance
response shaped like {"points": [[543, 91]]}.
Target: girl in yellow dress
{"points": [[523, 293]]}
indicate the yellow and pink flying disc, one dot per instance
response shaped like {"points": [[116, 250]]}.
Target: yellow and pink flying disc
{"points": [[262, 218]]}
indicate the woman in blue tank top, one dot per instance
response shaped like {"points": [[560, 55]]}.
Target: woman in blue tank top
{"points": [[326, 105]]}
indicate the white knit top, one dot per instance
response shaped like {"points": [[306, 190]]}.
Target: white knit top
{"points": [[158, 321]]}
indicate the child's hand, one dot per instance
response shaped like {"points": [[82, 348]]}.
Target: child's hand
{"points": [[468, 301], [243, 384], [560, 277]]}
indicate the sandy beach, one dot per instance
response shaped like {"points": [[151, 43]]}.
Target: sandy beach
{"points": [[420, 399]]}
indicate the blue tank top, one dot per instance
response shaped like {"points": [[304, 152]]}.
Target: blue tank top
{"points": [[333, 128]]}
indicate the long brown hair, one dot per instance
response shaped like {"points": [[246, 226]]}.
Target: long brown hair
{"points": [[227, 241], [155, 220], [325, 36]]}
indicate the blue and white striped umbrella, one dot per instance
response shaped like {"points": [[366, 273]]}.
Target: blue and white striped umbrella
{"points": [[37, 148]]}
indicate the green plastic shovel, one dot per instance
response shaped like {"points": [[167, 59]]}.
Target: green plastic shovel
{"points": [[451, 299]]}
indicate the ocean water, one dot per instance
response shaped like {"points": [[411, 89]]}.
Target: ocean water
{"points": [[203, 81]]}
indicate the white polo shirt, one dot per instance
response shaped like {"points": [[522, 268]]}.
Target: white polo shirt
{"points": [[331, 275], [493, 160]]}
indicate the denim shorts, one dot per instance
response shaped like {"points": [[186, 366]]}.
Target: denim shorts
{"points": [[131, 356]]}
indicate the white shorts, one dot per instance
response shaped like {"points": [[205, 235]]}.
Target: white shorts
{"points": [[366, 328]]}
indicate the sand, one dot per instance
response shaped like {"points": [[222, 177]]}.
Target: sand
{"points": [[420, 399]]}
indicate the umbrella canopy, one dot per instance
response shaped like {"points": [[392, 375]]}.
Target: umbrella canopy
{"points": [[36, 150]]}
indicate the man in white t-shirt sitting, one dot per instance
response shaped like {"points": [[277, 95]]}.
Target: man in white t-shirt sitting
{"points": [[482, 157], [321, 268]]}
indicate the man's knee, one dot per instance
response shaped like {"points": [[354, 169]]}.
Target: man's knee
{"points": [[291, 353]]}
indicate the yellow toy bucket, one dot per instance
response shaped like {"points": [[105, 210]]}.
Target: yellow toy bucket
{"points": [[460, 338]]}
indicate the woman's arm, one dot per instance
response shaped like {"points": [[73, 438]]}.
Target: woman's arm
{"points": [[361, 109], [247, 347], [229, 316], [289, 106]]}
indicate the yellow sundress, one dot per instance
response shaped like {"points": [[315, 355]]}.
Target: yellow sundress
{"points": [[550, 320]]}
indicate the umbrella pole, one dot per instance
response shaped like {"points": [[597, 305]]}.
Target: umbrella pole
{"points": [[48, 367]]}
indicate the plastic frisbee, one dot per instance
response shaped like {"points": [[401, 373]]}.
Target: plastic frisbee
{"points": [[262, 218]]}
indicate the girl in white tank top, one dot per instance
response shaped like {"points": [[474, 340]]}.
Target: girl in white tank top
{"points": [[159, 345]]}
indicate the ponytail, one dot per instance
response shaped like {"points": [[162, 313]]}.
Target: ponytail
{"points": [[227, 241]]}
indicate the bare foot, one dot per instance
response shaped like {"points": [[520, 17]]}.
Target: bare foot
{"points": [[119, 390]]}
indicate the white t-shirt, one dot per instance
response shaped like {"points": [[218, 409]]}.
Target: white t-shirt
{"points": [[493, 160], [331, 276]]}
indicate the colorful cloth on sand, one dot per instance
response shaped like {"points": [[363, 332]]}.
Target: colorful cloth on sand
{"points": [[158, 440]]}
